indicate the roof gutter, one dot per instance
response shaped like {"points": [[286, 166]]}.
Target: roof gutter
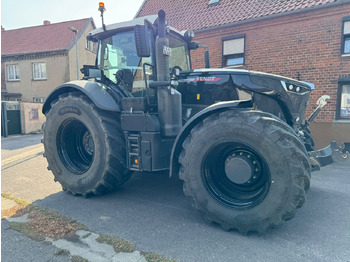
{"points": [[82, 32], [258, 19], [36, 53]]}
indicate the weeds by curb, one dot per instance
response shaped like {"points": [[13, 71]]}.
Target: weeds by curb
{"points": [[49, 223], [118, 244], [13, 210], [155, 257]]}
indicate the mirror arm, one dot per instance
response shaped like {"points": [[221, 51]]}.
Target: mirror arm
{"points": [[145, 77]]}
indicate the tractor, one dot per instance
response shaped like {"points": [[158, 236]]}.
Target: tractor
{"points": [[237, 138]]}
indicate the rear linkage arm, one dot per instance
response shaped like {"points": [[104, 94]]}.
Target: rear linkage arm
{"points": [[330, 154]]}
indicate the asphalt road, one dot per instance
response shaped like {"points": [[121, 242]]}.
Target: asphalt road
{"points": [[152, 212]]}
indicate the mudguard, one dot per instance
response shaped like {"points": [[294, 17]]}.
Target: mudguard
{"points": [[97, 92], [186, 129]]}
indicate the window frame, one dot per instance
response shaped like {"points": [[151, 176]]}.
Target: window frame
{"points": [[33, 71], [8, 73], [225, 57], [88, 44], [344, 36], [38, 99], [341, 82]]}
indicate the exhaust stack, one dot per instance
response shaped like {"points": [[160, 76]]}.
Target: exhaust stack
{"points": [[169, 99]]}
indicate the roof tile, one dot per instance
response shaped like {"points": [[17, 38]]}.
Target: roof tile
{"points": [[37, 39], [197, 14]]}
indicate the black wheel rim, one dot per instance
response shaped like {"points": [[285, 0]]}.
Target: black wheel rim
{"points": [[75, 146], [236, 175]]}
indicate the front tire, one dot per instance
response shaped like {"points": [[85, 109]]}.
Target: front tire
{"points": [[245, 170], [84, 146]]}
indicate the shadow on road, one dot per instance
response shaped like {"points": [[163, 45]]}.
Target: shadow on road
{"points": [[152, 211]]}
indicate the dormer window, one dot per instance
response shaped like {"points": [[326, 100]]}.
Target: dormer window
{"points": [[212, 2]]}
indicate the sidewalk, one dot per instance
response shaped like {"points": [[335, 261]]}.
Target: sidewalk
{"points": [[25, 179], [18, 148]]}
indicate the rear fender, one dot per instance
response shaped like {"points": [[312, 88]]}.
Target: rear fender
{"points": [[99, 94], [186, 129]]}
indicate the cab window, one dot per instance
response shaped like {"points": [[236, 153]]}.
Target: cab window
{"points": [[120, 63]]}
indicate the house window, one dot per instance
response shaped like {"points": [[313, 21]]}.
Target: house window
{"points": [[88, 44], [38, 99], [39, 71], [346, 36], [343, 103], [233, 51], [12, 73]]}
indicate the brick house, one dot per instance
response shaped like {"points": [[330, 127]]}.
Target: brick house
{"points": [[307, 40], [35, 60]]}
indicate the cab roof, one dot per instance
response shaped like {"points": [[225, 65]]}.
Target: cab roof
{"points": [[99, 33]]}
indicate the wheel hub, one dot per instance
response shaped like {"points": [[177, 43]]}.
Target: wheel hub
{"points": [[88, 143], [238, 170], [236, 175], [242, 167]]}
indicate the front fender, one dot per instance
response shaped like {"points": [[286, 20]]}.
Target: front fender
{"points": [[97, 92], [186, 129]]}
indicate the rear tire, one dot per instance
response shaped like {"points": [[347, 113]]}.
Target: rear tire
{"points": [[84, 146], [245, 170]]}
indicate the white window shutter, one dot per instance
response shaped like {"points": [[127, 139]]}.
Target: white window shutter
{"points": [[234, 46]]}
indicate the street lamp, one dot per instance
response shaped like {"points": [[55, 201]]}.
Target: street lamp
{"points": [[75, 31]]}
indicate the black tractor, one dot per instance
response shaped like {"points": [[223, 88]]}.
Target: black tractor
{"points": [[237, 138]]}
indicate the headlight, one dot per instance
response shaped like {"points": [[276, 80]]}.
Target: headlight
{"points": [[293, 88]]}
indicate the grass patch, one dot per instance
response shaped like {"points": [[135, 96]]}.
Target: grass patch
{"points": [[16, 199], [47, 223], [154, 257], [27, 230], [62, 252], [78, 259], [118, 244], [87, 235]]}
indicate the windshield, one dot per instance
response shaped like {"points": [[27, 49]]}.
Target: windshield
{"points": [[179, 54], [118, 60]]}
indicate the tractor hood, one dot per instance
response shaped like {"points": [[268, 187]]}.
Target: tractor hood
{"points": [[282, 95]]}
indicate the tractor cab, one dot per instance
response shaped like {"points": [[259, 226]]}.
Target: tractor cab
{"points": [[127, 55]]}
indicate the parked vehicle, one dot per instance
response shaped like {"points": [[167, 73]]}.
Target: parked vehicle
{"points": [[237, 138]]}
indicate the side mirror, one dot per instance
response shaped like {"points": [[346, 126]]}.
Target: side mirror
{"points": [[193, 45], [142, 40], [90, 71]]}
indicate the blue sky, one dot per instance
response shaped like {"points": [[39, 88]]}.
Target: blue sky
{"points": [[25, 13]]}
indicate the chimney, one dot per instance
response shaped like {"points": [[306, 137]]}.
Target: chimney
{"points": [[47, 22], [2, 29]]}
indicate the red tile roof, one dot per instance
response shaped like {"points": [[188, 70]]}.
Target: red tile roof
{"points": [[198, 14], [37, 39]]}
